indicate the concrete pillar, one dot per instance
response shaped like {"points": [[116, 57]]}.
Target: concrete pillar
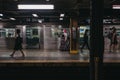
{"points": [[74, 36], [96, 39]]}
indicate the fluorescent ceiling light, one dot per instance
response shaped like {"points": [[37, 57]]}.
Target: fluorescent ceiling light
{"points": [[40, 21], [27, 6], [47, 0], [12, 19], [62, 15], [60, 26], [116, 6], [35, 15], [1, 14], [61, 18]]}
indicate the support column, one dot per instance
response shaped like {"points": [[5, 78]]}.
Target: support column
{"points": [[73, 36], [96, 39]]}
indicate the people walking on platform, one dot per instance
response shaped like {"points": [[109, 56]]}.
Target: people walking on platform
{"points": [[18, 44], [85, 43], [110, 38]]}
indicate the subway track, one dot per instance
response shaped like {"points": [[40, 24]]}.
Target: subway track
{"points": [[52, 66], [55, 71]]}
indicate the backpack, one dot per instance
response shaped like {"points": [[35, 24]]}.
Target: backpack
{"points": [[21, 40], [109, 35]]}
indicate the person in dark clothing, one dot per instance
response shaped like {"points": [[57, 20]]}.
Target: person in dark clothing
{"points": [[110, 34], [114, 40], [18, 44], [62, 44], [85, 41]]}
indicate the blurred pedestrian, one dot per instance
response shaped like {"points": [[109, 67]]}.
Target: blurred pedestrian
{"points": [[114, 40], [18, 44], [85, 41]]}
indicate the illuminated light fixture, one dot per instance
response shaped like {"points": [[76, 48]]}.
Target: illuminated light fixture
{"points": [[35, 15], [28, 6], [62, 15], [61, 18], [15, 0], [47, 0], [116, 7], [12, 19], [1, 14], [40, 21], [60, 26]]}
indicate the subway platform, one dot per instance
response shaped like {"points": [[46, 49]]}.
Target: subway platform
{"points": [[42, 56], [53, 56]]}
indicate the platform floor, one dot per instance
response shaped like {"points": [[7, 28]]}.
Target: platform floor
{"points": [[34, 55]]}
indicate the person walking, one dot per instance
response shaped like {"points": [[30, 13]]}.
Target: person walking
{"points": [[18, 44], [110, 34], [85, 41], [114, 40]]}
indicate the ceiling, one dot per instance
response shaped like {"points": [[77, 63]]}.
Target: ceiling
{"points": [[69, 7]]}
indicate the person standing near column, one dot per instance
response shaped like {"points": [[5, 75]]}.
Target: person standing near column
{"points": [[18, 44], [65, 34]]}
